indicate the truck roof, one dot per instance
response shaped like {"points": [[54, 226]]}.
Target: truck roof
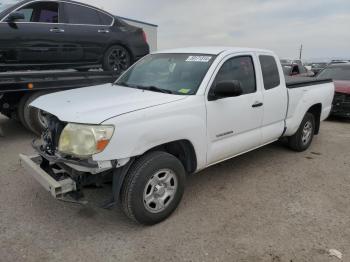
{"points": [[212, 50]]}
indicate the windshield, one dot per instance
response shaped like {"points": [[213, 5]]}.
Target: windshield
{"points": [[319, 65], [287, 69], [168, 73], [336, 73], [286, 61]]}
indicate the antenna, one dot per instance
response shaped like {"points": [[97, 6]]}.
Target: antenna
{"points": [[300, 51]]}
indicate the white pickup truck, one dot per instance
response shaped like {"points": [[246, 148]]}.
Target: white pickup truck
{"points": [[171, 114]]}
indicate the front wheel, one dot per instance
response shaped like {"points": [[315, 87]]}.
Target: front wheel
{"points": [[116, 59], [302, 139], [34, 118], [153, 188]]}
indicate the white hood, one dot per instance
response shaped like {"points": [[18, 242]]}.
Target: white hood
{"points": [[93, 105]]}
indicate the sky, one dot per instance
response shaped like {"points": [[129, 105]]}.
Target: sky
{"points": [[322, 26]]}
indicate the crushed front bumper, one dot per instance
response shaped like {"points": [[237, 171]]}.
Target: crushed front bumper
{"points": [[57, 188]]}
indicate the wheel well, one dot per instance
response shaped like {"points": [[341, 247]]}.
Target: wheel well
{"points": [[316, 111], [183, 150]]}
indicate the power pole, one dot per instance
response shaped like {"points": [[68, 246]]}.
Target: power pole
{"points": [[300, 51]]}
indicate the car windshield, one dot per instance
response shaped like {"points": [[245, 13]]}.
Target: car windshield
{"points": [[336, 73], [168, 73], [318, 65], [286, 61], [287, 69]]}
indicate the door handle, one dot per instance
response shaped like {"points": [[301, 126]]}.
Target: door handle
{"points": [[257, 104], [103, 31], [57, 30]]}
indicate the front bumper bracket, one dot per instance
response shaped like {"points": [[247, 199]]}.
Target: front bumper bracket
{"points": [[57, 188]]}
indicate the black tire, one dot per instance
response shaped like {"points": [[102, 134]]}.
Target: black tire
{"points": [[298, 142], [32, 115], [139, 176], [21, 109], [117, 58]]}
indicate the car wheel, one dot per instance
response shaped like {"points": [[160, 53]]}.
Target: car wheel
{"points": [[34, 117], [116, 59], [21, 110], [302, 139], [153, 188]]}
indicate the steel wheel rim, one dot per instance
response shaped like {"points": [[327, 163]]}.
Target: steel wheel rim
{"points": [[306, 133], [160, 190], [118, 60]]}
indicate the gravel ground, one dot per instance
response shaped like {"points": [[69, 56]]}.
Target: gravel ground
{"points": [[268, 205]]}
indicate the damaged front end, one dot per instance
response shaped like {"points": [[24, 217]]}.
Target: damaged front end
{"points": [[64, 176]]}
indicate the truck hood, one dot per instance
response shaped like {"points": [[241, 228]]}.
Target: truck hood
{"points": [[94, 105], [342, 86]]}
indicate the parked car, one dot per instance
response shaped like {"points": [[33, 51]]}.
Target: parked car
{"points": [[39, 34], [317, 67], [339, 61], [171, 114], [340, 73], [295, 69]]}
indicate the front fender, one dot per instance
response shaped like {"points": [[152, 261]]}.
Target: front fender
{"points": [[139, 131]]}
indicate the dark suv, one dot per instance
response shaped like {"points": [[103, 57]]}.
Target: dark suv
{"points": [[37, 34]]}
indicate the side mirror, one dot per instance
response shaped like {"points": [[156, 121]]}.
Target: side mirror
{"points": [[13, 17], [225, 89]]}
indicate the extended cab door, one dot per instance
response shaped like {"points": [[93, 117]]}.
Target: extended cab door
{"points": [[234, 123], [275, 98]]}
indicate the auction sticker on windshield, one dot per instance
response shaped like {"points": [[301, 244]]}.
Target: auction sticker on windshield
{"points": [[203, 59]]}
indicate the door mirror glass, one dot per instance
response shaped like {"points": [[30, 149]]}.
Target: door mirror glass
{"points": [[225, 89], [15, 16]]}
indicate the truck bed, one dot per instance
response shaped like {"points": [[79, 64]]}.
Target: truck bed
{"points": [[295, 82]]}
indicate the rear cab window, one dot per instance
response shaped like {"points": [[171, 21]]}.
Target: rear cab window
{"points": [[270, 71]]}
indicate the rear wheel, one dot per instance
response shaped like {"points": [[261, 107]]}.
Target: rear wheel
{"points": [[302, 139], [116, 59], [153, 188]]}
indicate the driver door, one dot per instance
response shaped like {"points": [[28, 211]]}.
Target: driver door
{"points": [[234, 123]]}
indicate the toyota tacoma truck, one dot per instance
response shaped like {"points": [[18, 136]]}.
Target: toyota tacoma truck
{"points": [[172, 114]]}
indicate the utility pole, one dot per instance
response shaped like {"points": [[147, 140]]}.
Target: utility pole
{"points": [[300, 51]]}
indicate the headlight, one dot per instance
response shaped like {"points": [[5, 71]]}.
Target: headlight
{"points": [[84, 140]]}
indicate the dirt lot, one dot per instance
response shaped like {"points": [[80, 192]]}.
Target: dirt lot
{"points": [[268, 205]]}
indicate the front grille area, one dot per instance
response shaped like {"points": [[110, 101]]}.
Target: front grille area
{"points": [[341, 98], [341, 104]]}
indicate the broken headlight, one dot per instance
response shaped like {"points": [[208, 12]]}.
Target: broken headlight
{"points": [[84, 140]]}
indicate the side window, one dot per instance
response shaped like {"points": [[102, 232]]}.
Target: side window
{"points": [[241, 69], [105, 19], [269, 71], [40, 12], [77, 14]]}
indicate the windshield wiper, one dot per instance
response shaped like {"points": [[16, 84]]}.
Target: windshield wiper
{"points": [[156, 89]]}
